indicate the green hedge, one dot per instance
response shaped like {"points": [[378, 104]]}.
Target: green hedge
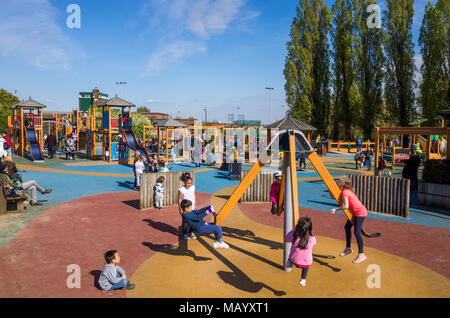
{"points": [[436, 171]]}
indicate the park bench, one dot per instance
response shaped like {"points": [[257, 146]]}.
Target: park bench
{"points": [[8, 203]]}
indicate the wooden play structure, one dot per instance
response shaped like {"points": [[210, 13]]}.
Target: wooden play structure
{"points": [[111, 138], [290, 142], [26, 129], [413, 133]]}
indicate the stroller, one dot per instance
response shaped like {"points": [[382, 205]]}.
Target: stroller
{"points": [[69, 149]]}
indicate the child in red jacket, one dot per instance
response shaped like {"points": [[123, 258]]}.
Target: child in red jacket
{"points": [[275, 191]]}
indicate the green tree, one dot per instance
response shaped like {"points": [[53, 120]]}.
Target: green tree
{"points": [[142, 109], [434, 44], [347, 99], [7, 100], [139, 121], [307, 65], [370, 70], [399, 66]]}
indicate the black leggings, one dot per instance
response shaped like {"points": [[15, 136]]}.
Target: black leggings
{"points": [[348, 233], [304, 271]]}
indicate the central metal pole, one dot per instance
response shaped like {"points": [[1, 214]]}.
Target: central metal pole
{"points": [[288, 210]]}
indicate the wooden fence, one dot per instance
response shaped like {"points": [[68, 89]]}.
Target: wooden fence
{"points": [[171, 184], [378, 194]]}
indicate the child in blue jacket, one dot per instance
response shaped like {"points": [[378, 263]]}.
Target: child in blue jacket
{"points": [[195, 220]]}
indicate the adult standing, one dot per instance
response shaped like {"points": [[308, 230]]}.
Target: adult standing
{"points": [[51, 145], [410, 170]]}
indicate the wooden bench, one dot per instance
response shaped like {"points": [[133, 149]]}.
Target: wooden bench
{"points": [[8, 203]]}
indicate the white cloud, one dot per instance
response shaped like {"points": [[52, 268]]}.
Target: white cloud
{"points": [[184, 26], [29, 31], [173, 53], [151, 101], [212, 17]]}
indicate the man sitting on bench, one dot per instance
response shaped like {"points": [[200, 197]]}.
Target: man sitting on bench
{"points": [[30, 186]]}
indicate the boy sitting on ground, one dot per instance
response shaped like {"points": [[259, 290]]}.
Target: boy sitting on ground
{"points": [[113, 276], [195, 220]]}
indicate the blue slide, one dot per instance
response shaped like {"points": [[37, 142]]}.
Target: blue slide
{"points": [[35, 148], [130, 139]]}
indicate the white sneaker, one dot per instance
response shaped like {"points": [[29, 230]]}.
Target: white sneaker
{"points": [[302, 282], [193, 236], [220, 244]]}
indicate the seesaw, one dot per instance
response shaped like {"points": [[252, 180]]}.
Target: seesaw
{"points": [[290, 142]]}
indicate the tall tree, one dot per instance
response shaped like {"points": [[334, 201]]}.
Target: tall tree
{"points": [[307, 67], [399, 65], [434, 41], [7, 100], [370, 69], [346, 94]]}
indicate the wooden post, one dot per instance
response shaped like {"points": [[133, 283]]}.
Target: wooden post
{"points": [[159, 141], [21, 131], [377, 145], [282, 187], [293, 174], [167, 143], [428, 148]]}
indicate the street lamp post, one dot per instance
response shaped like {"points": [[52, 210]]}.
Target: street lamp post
{"points": [[206, 114], [121, 85], [269, 89]]}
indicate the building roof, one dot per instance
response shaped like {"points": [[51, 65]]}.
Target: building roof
{"points": [[30, 103], [290, 123], [170, 123], [116, 102]]}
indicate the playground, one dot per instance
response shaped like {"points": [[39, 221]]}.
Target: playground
{"points": [[93, 208]]}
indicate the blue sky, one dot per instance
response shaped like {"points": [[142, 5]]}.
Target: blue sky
{"points": [[177, 56]]}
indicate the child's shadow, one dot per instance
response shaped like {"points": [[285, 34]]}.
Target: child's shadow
{"points": [[181, 250], [163, 227], [96, 274]]}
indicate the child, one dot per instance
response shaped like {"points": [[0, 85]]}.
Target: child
{"points": [[113, 276], [357, 159], [159, 192], [302, 161], [350, 200], [162, 166], [302, 243], [196, 222], [275, 191], [139, 166], [187, 192]]}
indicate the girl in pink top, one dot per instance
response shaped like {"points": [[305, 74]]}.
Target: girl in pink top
{"points": [[275, 191], [302, 243], [350, 200]]}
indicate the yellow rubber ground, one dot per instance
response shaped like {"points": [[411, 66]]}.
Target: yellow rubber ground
{"points": [[251, 268]]}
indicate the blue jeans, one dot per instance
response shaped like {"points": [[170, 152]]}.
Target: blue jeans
{"points": [[138, 179], [211, 228], [122, 283]]}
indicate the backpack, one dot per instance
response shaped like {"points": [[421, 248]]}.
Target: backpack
{"points": [[5, 146]]}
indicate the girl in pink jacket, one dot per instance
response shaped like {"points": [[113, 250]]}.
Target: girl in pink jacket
{"points": [[302, 243], [275, 191]]}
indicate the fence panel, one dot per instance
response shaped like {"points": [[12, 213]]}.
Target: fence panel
{"points": [[171, 185]]}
